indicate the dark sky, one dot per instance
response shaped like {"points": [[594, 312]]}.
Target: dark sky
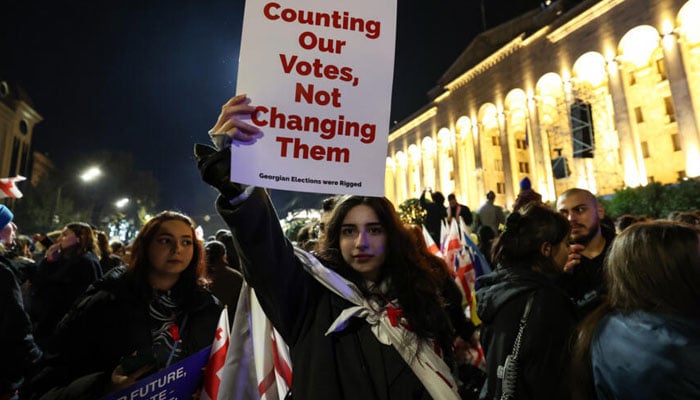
{"points": [[149, 78]]}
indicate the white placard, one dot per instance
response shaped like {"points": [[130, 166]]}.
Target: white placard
{"points": [[320, 74]]}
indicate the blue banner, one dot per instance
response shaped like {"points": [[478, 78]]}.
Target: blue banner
{"points": [[177, 382]]}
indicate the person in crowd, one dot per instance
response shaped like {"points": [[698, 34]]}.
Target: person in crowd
{"points": [[456, 209], [365, 320], [127, 326], [223, 281], [689, 217], [20, 353], [625, 221], [70, 266], [490, 214], [526, 195], [435, 212], [644, 341], [117, 247], [486, 237], [590, 240], [108, 260], [306, 236], [327, 206], [527, 319], [232, 260]]}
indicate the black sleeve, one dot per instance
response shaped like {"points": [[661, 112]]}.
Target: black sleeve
{"points": [[284, 289]]}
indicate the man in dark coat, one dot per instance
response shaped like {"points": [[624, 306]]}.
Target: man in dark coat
{"points": [[435, 213]]}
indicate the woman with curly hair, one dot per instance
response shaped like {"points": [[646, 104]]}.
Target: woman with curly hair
{"points": [[365, 319], [527, 320], [130, 325]]}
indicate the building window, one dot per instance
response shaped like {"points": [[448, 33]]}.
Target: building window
{"points": [[639, 116], [495, 140], [500, 188], [670, 111], [14, 160], [676, 140], [524, 167], [661, 69], [497, 165], [681, 175], [645, 149], [632, 79], [650, 179], [520, 143]]}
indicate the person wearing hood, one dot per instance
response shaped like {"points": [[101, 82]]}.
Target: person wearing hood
{"points": [[520, 300]]}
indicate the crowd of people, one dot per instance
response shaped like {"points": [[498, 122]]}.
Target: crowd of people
{"points": [[577, 306]]}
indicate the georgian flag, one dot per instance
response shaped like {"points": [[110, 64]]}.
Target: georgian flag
{"points": [[217, 358], [8, 188], [258, 365], [430, 243]]}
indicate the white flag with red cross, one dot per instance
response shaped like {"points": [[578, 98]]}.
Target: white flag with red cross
{"points": [[9, 189], [217, 358]]}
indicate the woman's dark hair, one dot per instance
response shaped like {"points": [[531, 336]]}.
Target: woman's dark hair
{"points": [[103, 243], [140, 265], [651, 266], [526, 230], [87, 241], [412, 282]]}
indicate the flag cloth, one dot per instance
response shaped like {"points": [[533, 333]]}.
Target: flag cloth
{"points": [[258, 365], [8, 188], [430, 243], [481, 266], [217, 358], [451, 247]]}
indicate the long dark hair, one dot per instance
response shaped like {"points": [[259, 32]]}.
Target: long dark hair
{"points": [[140, 265], [412, 282], [519, 246], [87, 240], [651, 266]]}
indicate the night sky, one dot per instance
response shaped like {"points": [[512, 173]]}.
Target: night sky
{"points": [[150, 78]]}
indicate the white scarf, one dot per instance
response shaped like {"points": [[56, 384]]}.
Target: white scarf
{"points": [[428, 366]]}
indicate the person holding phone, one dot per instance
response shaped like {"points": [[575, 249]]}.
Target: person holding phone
{"points": [[130, 325]]}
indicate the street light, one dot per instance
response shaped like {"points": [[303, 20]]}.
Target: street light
{"points": [[87, 176], [121, 202], [91, 174]]}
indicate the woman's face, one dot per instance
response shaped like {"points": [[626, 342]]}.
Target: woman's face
{"points": [[67, 238], [172, 248], [363, 242], [560, 253]]}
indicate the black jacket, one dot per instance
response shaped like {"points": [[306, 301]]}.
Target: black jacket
{"points": [[111, 321], [55, 286], [351, 364], [18, 351], [545, 346]]}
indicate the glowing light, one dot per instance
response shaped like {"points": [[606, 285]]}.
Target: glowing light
{"points": [[638, 44], [121, 202], [688, 17], [91, 174], [590, 67]]}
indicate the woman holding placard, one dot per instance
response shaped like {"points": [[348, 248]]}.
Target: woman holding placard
{"points": [[363, 318]]}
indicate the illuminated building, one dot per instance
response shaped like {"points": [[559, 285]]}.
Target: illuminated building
{"points": [[600, 95], [17, 120]]}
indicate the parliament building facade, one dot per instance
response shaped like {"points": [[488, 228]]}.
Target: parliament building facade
{"points": [[597, 94]]}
